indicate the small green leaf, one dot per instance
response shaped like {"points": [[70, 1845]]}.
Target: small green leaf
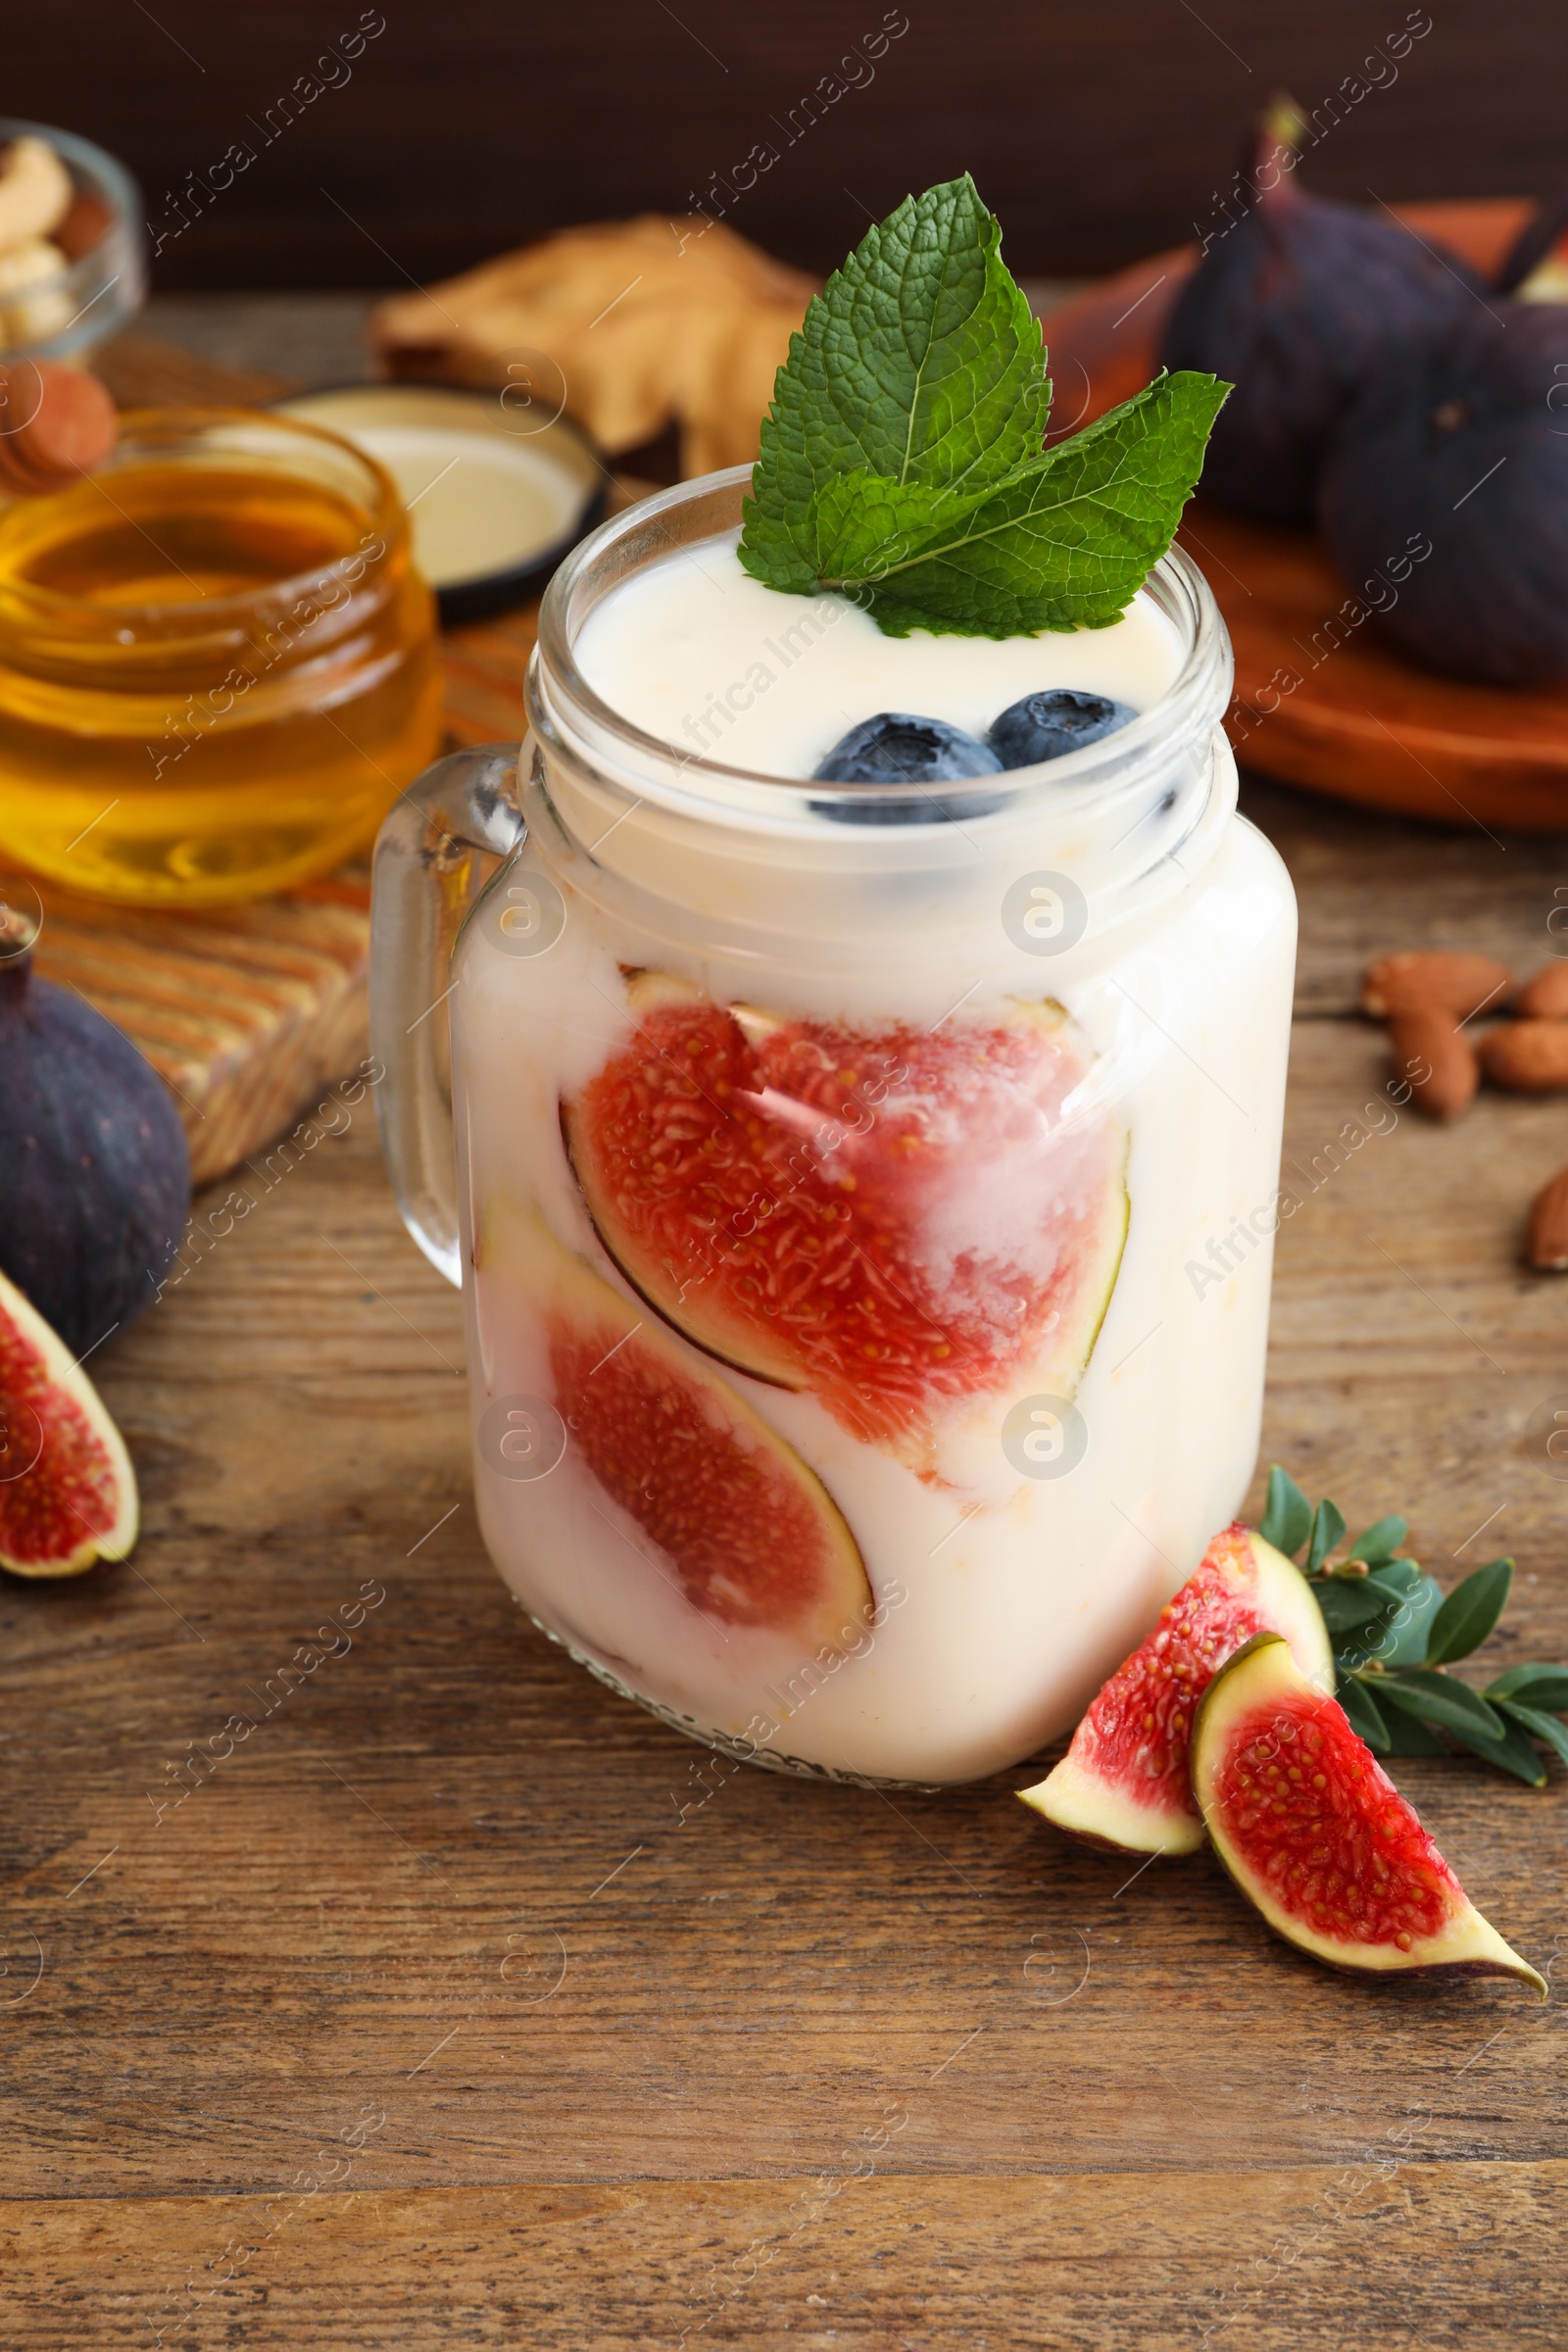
{"points": [[1537, 1725], [1381, 1541], [1439, 1699], [1350, 1601], [1537, 1685], [1328, 1526], [1403, 1577], [1469, 1613], [1409, 1737], [1288, 1517], [1366, 1719], [1512, 1753], [1405, 1642]]}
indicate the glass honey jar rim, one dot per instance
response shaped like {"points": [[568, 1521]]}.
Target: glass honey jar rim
{"points": [[212, 437]]}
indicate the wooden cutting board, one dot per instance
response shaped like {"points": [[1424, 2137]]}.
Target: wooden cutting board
{"points": [[246, 1011], [1321, 699], [243, 1011]]}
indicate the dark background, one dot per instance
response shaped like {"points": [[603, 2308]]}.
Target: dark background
{"points": [[1097, 131]]}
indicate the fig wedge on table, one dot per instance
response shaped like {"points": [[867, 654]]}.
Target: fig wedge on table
{"points": [[1318, 1837], [68, 1493], [1124, 1783]]}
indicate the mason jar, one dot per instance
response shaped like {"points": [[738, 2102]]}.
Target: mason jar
{"points": [[864, 1222]]}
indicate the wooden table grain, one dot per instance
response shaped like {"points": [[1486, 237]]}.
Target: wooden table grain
{"points": [[430, 2018], [463, 2003]]}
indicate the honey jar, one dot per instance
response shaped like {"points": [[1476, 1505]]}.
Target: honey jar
{"points": [[218, 664]]}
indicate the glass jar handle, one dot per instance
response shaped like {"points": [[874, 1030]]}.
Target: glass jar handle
{"points": [[435, 852]]}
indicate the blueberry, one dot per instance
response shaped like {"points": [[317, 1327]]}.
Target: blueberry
{"points": [[896, 748], [1053, 722]]}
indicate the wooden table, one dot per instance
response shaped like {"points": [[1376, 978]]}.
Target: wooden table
{"points": [[428, 2020]]}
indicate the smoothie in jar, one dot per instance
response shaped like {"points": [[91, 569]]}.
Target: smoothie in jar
{"points": [[868, 1124]]}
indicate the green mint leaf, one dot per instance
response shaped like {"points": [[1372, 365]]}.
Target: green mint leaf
{"points": [[1380, 1541], [1512, 1753], [1328, 1526], [1287, 1515], [1439, 1699], [1537, 1685], [863, 526], [1537, 1725], [1063, 542], [920, 362], [1469, 1613], [902, 457], [1366, 1719]]}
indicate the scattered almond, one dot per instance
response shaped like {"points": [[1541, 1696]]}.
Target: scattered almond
{"points": [[1432, 980], [1529, 1056], [1545, 997], [1438, 1061], [1546, 1239]]}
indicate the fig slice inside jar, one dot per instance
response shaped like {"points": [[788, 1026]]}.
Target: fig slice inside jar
{"points": [[893, 1221]]}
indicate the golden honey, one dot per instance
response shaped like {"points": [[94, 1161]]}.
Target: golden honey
{"points": [[218, 664]]}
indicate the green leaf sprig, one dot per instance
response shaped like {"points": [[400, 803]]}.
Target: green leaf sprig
{"points": [[901, 460], [1394, 1632]]}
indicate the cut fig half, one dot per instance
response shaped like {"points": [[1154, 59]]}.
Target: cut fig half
{"points": [[68, 1493], [729, 1513], [1124, 1783], [1319, 1840], [896, 1221]]}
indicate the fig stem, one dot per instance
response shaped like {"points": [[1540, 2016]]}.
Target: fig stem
{"points": [[1273, 145]]}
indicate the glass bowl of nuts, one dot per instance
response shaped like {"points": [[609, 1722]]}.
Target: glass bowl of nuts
{"points": [[72, 259]]}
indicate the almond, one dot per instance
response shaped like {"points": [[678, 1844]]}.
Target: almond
{"points": [[1432, 980], [1531, 1057], [1545, 999], [1546, 1239], [1438, 1061]]}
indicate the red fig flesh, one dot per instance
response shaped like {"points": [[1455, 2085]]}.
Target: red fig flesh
{"points": [[739, 1523], [803, 1200], [67, 1493], [1318, 1837], [1125, 1782]]}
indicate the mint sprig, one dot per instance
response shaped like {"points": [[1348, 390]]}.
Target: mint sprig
{"points": [[902, 461], [1395, 1632]]}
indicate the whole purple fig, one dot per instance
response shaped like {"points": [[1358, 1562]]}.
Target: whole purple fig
{"points": [[94, 1174], [1465, 445], [1298, 302]]}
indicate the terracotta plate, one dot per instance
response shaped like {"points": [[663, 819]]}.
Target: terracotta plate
{"points": [[1321, 698]]}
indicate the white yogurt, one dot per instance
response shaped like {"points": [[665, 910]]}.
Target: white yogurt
{"points": [[697, 652], [1001, 1597]]}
